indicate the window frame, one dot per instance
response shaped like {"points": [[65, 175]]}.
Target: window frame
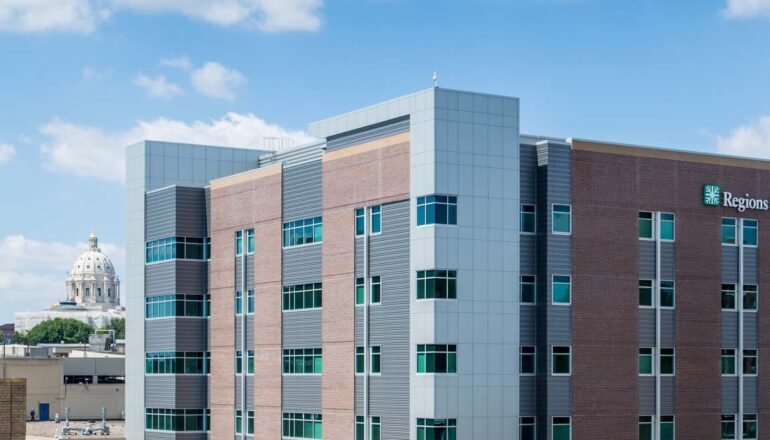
{"points": [[372, 354], [673, 227], [755, 356], [448, 352], [734, 358], [751, 288], [652, 294], [726, 419], [425, 203], [651, 424], [553, 360], [372, 283], [530, 421], [315, 222], [360, 282], [652, 226], [735, 297], [360, 215], [360, 354], [532, 354], [553, 424], [553, 218], [533, 283], [448, 276], [743, 232], [373, 214], [239, 243], [660, 294], [523, 213], [553, 290], [735, 231], [752, 418], [666, 421], [651, 355], [673, 360], [250, 241]]}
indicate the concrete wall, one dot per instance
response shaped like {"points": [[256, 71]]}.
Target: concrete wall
{"points": [[13, 424]]}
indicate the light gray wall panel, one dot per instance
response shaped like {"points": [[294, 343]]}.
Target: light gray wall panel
{"points": [[160, 391], [528, 324], [667, 328], [646, 260], [667, 395], [646, 395], [729, 329], [302, 197], [749, 395], [301, 394], [528, 254], [191, 391], [667, 260], [302, 265], [729, 395], [527, 396], [749, 265], [302, 329], [160, 334], [368, 133], [646, 327], [750, 329], [730, 264]]}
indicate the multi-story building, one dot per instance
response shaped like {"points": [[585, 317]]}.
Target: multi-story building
{"points": [[424, 271]]}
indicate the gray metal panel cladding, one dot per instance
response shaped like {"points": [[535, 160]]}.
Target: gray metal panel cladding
{"points": [[729, 394], [528, 254], [750, 265], [160, 391], [159, 435], [160, 278], [730, 264], [646, 395], [750, 329], [302, 329], [527, 396], [302, 190], [667, 328], [368, 134], [729, 329], [190, 212], [646, 327], [207, 192], [667, 395], [528, 324], [749, 395], [528, 174], [191, 277], [160, 213], [667, 261], [302, 265], [559, 325], [176, 334], [190, 391], [160, 334], [646, 260], [249, 391], [560, 255], [249, 272], [559, 395], [250, 332], [301, 393], [191, 334]]}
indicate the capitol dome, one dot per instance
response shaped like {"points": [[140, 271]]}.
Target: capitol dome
{"points": [[92, 280]]}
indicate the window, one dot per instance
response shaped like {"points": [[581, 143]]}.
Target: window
{"points": [[436, 358], [728, 296], [376, 289], [527, 359], [645, 293], [301, 232], [302, 361], [238, 421], [527, 288], [561, 361], [359, 222], [375, 431], [646, 365], [437, 209], [360, 428], [666, 226], [173, 248], [561, 428], [749, 426], [561, 289], [249, 422], [238, 243], [750, 362], [360, 360], [749, 297], [527, 428], [250, 241], [527, 219], [749, 232], [360, 291], [376, 220], [78, 379], [667, 294], [437, 284], [99, 291], [176, 362], [250, 362], [645, 225], [111, 379], [299, 425], [667, 361], [728, 427], [666, 427], [436, 429], [238, 362], [207, 248], [728, 231], [250, 302], [165, 306], [645, 428], [302, 296], [728, 362], [376, 363], [162, 419], [561, 219], [238, 302]]}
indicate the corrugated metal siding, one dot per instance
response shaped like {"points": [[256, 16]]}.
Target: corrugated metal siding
{"points": [[646, 395], [750, 265], [528, 254], [749, 395], [730, 264], [160, 334], [368, 134], [646, 327], [750, 329], [667, 393], [302, 186], [667, 260], [528, 325], [528, 174], [646, 260], [729, 395], [301, 394], [294, 156], [190, 212], [302, 329], [191, 277], [191, 334], [667, 328], [559, 325], [729, 329], [249, 391], [160, 214], [191, 391], [527, 396], [160, 391], [302, 265], [157, 435], [160, 278]]}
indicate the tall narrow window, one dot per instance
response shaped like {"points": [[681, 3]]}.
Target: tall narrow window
{"points": [[645, 362], [666, 427], [749, 232], [376, 362], [645, 225], [667, 226], [238, 302], [728, 231], [749, 426], [561, 289], [749, 297], [667, 294], [728, 427], [527, 428], [376, 289], [238, 243], [645, 427], [728, 362], [359, 222], [561, 428], [238, 421], [375, 219], [437, 209], [359, 291], [527, 219], [360, 423], [561, 219], [436, 284], [645, 293], [250, 362], [250, 302], [375, 428], [667, 361], [250, 422], [561, 361], [527, 359], [360, 360], [238, 362], [728, 296], [527, 288], [750, 362], [250, 241]]}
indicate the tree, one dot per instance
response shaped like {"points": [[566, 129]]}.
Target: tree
{"points": [[56, 330], [118, 325]]}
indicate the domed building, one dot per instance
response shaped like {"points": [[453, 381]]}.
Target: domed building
{"points": [[92, 293]]}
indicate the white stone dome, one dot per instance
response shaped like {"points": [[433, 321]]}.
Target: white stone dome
{"points": [[92, 279], [93, 261]]}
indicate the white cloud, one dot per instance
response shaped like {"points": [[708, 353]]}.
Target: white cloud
{"points": [[747, 8], [748, 140], [217, 81], [182, 63], [7, 152], [93, 152], [158, 86], [84, 16], [32, 272]]}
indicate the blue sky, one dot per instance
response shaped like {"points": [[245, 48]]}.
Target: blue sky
{"points": [[79, 79]]}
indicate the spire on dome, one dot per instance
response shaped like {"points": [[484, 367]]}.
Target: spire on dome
{"points": [[93, 241]]}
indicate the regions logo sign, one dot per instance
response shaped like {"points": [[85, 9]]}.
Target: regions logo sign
{"points": [[714, 196]]}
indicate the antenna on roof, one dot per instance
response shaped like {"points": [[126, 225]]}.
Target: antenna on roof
{"points": [[435, 79]]}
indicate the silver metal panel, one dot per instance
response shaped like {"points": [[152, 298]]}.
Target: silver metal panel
{"points": [[729, 395], [730, 329], [528, 395], [559, 395], [559, 325], [667, 260], [730, 264], [646, 260], [528, 254], [302, 265], [301, 393], [750, 330], [369, 133], [160, 335], [302, 196], [646, 327], [302, 329], [667, 395], [160, 391], [667, 328], [160, 214], [160, 278], [749, 395], [158, 435], [646, 395], [749, 265], [528, 324]]}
